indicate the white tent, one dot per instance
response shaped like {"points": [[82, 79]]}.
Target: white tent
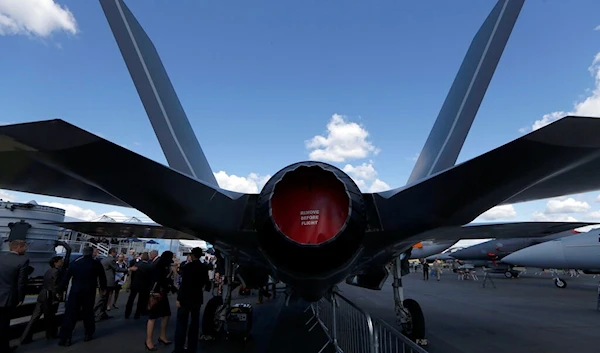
{"points": [[194, 243]]}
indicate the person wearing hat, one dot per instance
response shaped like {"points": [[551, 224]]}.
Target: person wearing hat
{"points": [[194, 281]]}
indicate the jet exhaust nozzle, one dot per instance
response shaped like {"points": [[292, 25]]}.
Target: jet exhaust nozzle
{"points": [[310, 218]]}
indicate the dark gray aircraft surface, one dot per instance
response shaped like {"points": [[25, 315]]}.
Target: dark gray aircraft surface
{"points": [[443, 256], [492, 252], [428, 248], [310, 209], [580, 251]]}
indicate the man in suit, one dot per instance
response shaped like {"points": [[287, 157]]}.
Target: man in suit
{"points": [[189, 301], [13, 279], [132, 259], [153, 257], [86, 274], [47, 302], [141, 281], [135, 258], [110, 267]]}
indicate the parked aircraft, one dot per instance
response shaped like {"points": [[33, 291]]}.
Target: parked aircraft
{"points": [[428, 248], [492, 252], [311, 209], [581, 252], [443, 256]]}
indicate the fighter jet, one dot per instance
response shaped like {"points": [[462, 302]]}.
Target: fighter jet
{"points": [[310, 210], [428, 248], [492, 252], [580, 251], [445, 255]]}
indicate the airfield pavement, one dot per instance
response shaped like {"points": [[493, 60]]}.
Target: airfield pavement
{"points": [[524, 315], [276, 329]]}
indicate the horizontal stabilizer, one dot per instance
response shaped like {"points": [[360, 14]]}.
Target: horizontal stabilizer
{"points": [[538, 161], [97, 165], [124, 230], [22, 172]]}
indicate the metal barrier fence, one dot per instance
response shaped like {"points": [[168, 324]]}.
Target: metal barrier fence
{"points": [[350, 329]]}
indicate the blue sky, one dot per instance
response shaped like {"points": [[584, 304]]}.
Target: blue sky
{"points": [[260, 79]]}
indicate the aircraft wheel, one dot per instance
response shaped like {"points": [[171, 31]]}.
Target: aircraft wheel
{"points": [[210, 322], [415, 328], [560, 283], [508, 274]]}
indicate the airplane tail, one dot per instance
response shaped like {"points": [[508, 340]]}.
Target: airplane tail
{"points": [[168, 119], [454, 121]]}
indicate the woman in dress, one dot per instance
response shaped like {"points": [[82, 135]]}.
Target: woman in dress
{"points": [[163, 284], [120, 278]]}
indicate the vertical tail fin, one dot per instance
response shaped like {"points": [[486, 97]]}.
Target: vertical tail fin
{"points": [[168, 119], [468, 89]]}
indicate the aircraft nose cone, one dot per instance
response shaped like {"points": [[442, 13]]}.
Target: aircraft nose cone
{"points": [[545, 255]]}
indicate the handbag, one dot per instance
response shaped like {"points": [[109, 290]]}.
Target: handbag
{"points": [[155, 298]]}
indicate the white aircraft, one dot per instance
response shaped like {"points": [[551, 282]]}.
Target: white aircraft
{"points": [[580, 251]]}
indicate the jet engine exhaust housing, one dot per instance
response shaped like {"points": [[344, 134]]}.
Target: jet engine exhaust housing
{"points": [[310, 218]]}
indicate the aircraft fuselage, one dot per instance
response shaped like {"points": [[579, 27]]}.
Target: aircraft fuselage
{"points": [[581, 251]]}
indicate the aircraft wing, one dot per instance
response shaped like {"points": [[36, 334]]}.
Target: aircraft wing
{"points": [[58, 159], [537, 161], [24, 173], [375, 256], [124, 230], [501, 230]]}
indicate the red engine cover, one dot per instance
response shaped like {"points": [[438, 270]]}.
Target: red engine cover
{"points": [[308, 210]]}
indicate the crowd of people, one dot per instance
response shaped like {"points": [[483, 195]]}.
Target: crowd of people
{"points": [[148, 277], [105, 241]]}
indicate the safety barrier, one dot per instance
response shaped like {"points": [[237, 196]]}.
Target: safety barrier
{"points": [[350, 329]]}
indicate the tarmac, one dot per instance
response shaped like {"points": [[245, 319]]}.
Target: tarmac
{"points": [[277, 329], [524, 315]]}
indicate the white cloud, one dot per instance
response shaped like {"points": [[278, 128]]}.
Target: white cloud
{"points": [[597, 28], [348, 140], [594, 215], [70, 210], [38, 18], [499, 212], [251, 184], [345, 140], [561, 210], [378, 186], [543, 217], [365, 177], [363, 171], [83, 213], [569, 205], [589, 106], [7, 196]]}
